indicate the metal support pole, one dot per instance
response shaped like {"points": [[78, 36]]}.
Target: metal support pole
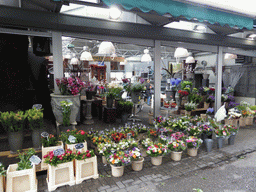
{"points": [[218, 83], [108, 71], [57, 58], [157, 77]]}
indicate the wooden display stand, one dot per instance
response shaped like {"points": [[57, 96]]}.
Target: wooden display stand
{"points": [[86, 169], [23, 180], [109, 115], [61, 175]]}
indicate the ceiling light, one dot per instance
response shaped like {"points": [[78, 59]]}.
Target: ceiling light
{"points": [[74, 60], [146, 57], [68, 56], [114, 13], [106, 48], [251, 36], [190, 59], [230, 56], [181, 52], [86, 56]]}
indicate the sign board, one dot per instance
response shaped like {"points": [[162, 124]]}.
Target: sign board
{"points": [[58, 152], [79, 146], [34, 159], [45, 134]]}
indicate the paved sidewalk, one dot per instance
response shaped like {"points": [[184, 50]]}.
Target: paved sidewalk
{"points": [[151, 178]]}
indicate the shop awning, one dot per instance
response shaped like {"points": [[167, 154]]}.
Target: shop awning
{"points": [[177, 9]]}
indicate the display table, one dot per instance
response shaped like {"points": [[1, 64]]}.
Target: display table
{"points": [[169, 109], [109, 115]]}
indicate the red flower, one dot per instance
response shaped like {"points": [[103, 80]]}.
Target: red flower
{"points": [[88, 155], [82, 132], [78, 153], [87, 151], [61, 158], [45, 156], [68, 130]]}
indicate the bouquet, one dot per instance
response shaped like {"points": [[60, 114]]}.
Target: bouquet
{"points": [[135, 154], [156, 150], [51, 140], [193, 142], [182, 93], [234, 114], [53, 160], [231, 129], [70, 86], [85, 155], [194, 130], [119, 158], [177, 145], [79, 135], [222, 132]]}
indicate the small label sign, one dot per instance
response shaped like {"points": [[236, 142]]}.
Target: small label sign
{"points": [[79, 146], [34, 159], [129, 135], [71, 139], [45, 134], [58, 152], [37, 106]]}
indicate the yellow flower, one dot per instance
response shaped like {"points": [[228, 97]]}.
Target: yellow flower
{"points": [[160, 151]]}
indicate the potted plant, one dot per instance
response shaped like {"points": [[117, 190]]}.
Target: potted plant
{"points": [[2, 177], [195, 131], [70, 89], [136, 158], [73, 137], [86, 166], [156, 152], [233, 131], [233, 117], [49, 143], [136, 89], [60, 168], [35, 123], [126, 109], [66, 112], [206, 131], [117, 161], [190, 107], [221, 134], [176, 147], [90, 89], [210, 100], [193, 143], [13, 123], [145, 144], [104, 150], [23, 174]]}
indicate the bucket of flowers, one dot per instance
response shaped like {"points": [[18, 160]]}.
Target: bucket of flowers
{"points": [[233, 130], [118, 160], [136, 158], [221, 134], [193, 143], [176, 147], [156, 152]]}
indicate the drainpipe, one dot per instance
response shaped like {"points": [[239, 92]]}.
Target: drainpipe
{"points": [[157, 78], [218, 83]]}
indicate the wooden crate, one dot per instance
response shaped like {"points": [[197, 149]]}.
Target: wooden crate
{"points": [[61, 175], [23, 180], [45, 150], [86, 169], [72, 147], [2, 183]]}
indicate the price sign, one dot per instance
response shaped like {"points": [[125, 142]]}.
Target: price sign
{"points": [[37, 106], [34, 159], [45, 134], [71, 139], [58, 152], [129, 135], [79, 146]]}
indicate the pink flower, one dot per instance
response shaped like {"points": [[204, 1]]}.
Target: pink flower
{"points": [[45, 156], [61, 158]]}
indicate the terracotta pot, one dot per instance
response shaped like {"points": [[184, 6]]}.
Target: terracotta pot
{"points": [[176, 156], [156, 160], [192, 152], [138, 165], [117, 171]]}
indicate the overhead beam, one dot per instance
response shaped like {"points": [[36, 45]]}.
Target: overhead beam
{"points": [[14, 17]]}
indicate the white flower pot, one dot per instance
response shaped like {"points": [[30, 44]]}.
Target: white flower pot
{"points": [[143, 152], [176, 156], [104, 160], [157, 160], [192, 152], [117, 171], [138, 165]]}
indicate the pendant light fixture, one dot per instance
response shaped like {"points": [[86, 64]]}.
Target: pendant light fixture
{"points": [[181, 52], [146, 57], [74, 60], [106, 48], [86, 55], [190, 59], [229, 56]]}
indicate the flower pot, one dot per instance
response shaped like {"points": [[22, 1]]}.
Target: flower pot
{"points": [[176, 156], [62, 174], [110, 102], [249, 120], [192, 152], [188, 113], [104, 160], [124, 117], [242, 122], [86, 169], [220, 142], [15, 140], [135, 96], [206, 76], [23, 180], [143, 152], [36, 138], [138, 165], [117, 171], [157, 160], [231, 139], [57, 109], [208, 144], [90, 94]]}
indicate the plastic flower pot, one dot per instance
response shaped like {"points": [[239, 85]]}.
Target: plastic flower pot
{"points": [[138, 165], [231, 139], [208, 144], [192, 152], [220, 142], [176, 156], [117, 171], [157, 160]]}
